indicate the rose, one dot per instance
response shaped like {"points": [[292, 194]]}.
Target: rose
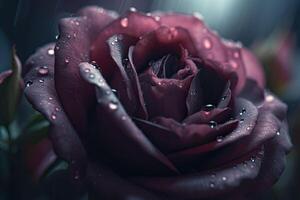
{"points": [[157, 106]]}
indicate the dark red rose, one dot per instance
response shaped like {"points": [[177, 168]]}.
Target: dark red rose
{"points": [[157, 106]]}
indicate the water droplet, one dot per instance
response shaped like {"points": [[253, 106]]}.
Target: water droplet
{"points": [[278, 133], [43, 70], [198, 15], [57, 109], [74, 35], [91, 75], [67, 61], [248, 128], [224, 178], [233, 64], [132, 9], [77, 23], [87, 70], [223, 97], [68, 36], [41, 81], [207, 44], [115, 92], [173, 32], [212, 185], [252, 159], [123, 117], [57, 37], [243, 111], [125, 62], [57, 47], [219, 138], [148, 14], [269, 98], [236, 54], [124, 22], [50, 52], [113, 105], [212, 124], [29, 83], [50, 98], [157, 18], [208, 107], [53, 116]]}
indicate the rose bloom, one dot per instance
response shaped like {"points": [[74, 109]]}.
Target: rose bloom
{"points": [[157, 106]]}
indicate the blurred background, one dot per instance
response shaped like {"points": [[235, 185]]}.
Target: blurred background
{"points": [[271, 28]]}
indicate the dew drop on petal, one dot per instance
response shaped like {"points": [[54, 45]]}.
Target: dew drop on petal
{"points": [[91, 75], [198, 15], [278, 133], [132, 9], [67, 61], [53, 116], [41, 81], [206, 42], [233, 64], [219, 138], [124, 22], [29, 83], [157, 18], [43, 70], [208, 107], [212, 185], [224, 178], [212, 124], [123, 117], [269, 98], [113, 105], [50, 52], [236, 54]]}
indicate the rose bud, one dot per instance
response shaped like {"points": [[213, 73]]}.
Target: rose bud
{"points": [[157, 106]]}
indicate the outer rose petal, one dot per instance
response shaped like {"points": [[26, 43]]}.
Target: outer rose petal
{"points": [[211, 184], [108, 185], [119, 138], [254, 70], [40, 92], [208, 43], [73, 47]]}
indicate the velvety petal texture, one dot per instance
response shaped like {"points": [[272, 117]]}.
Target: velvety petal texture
{"points": [[156, 106]]}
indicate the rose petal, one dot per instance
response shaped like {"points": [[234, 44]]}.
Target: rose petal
{"points": [[125, 79], [228, 180], [207, 87], [254, 70], [169, 135], [73, 46], [134, 24], [243, 129], [40, 92], [105, 182], [164, 97], [123, 142], [218, 115], [159, 43], [252, 92], [207, 43]]}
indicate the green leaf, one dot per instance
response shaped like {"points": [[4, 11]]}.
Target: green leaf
{"points": [[10, 91]]}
